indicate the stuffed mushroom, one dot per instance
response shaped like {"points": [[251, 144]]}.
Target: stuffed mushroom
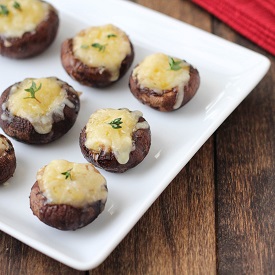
{"points": [[38, 110], [97, 56], [27, 27], [163, 82], [7, 159], [115, 139], [68, 195]]}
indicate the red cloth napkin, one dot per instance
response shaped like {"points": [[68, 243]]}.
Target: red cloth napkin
{"points": [[254, 19]]}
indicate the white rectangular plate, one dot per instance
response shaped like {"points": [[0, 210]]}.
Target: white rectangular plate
{"points": [[228, 74]]}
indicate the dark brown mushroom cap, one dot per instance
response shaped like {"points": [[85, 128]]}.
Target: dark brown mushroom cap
{"points": [[22, 130], [106, 160], [90, 76], [165, 101], [63, 216], [34, 42]]}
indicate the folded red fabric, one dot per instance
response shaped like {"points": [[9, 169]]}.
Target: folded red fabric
{"points": [[254, 19]]}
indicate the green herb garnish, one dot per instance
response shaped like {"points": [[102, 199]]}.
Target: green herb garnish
{"points": [[116, 123], [100, 47], [17, 6], [174, 65], [84, 46], [4, 10], [111, 35], [32, 90], [67, 174]]}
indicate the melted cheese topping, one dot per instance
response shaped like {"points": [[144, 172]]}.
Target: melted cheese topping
{"points": [[111, 46], [101, 136], [3, 146], [23, 19], [84, 186], [154, 73], [49, 101]]}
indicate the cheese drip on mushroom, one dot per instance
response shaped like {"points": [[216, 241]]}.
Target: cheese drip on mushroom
{"points": [[103, 135], [3, 146], [48, 103], [21, 16], [103, 47], [155, 73], [75, 184]]}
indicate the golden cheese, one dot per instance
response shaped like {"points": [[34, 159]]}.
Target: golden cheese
{"points": [[21, 18], [154, 73], [49, 100], [102, 136], [3, 146], [103, 47], [75, 184]]}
